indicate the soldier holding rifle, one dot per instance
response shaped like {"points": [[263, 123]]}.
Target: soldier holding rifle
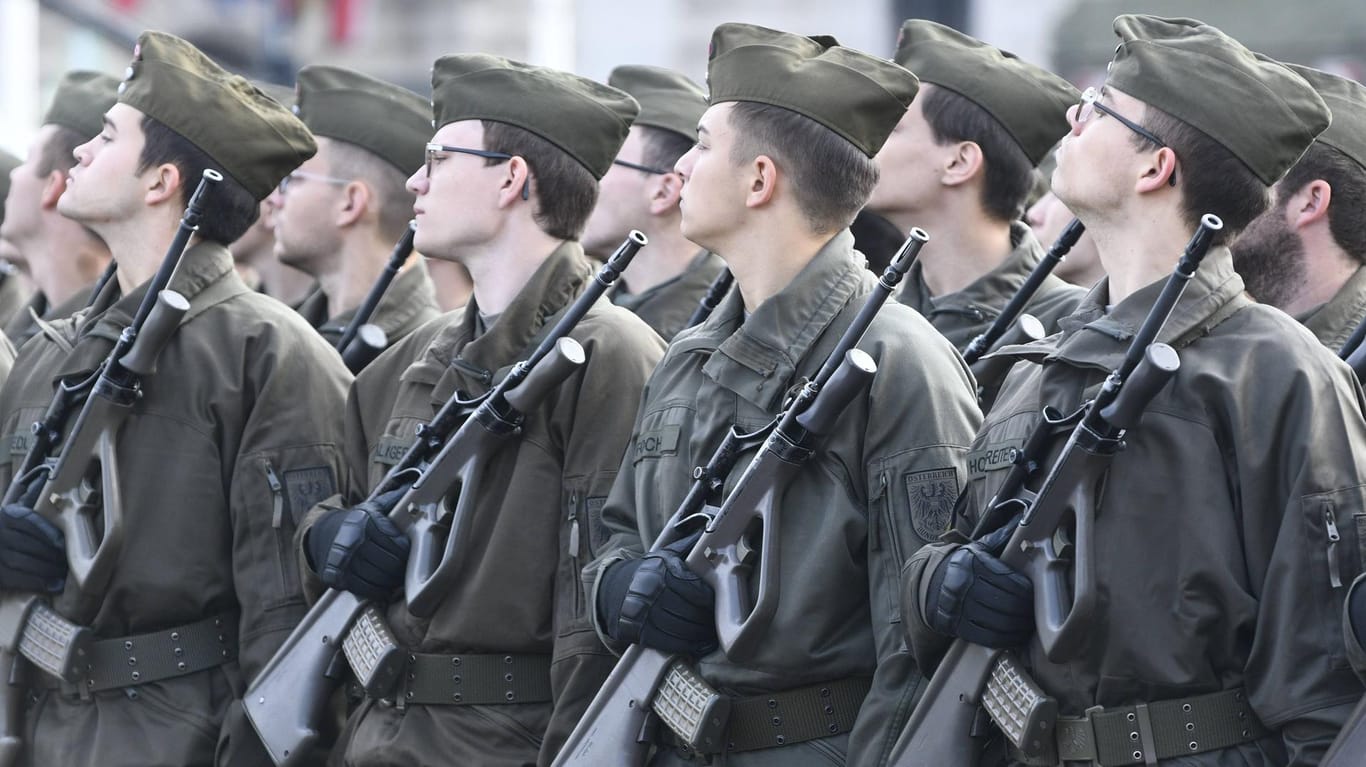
{"points": [[1223, 535], [217, 458], [784, 161]]}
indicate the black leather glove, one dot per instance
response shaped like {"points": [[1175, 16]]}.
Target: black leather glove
{"points": [[360, 549], [658, 602], [974, 596], [32, 549]]}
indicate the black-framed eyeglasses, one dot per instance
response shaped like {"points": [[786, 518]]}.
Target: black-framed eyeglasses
{"points": [[434, 149], [303, 175], [1090, 101], [642, 168]]}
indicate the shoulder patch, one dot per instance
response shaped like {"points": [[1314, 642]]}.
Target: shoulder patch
{"points": [[657, 442], [390, 450], [306, 487], [932, 495]]}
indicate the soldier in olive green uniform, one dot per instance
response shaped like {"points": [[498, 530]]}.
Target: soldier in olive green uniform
{"points": [[64, 258], [13, 288], [796, 122], [234, 438], [960, 165], [339, 215], [510, 179], [1230, 525], [641, 191]]}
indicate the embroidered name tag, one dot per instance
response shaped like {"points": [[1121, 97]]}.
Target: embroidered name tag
{"points": [[657, 442], [390, 450], [998, 456]]}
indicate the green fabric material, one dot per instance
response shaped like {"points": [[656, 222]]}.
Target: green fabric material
{"points": [[392, 122], [1346, 99], [858, 96], [587, 119], [8, 162], [80, 102], [1028, 101], [1262, 112], [668, 100], [255, 139]]}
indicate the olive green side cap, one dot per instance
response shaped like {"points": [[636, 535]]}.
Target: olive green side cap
{"points": [[586, 119], [255, 139], [1346, 99], [1028, 101], [858, 96], [283, 94], [1262, 112], [668, 100], [390, 121], [80, 102]]}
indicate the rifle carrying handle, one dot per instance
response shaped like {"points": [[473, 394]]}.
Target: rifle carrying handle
{"points": [[162, 322]]}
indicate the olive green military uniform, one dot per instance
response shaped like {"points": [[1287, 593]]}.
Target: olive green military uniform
{"points": [[235, 438], [517, 591], [408, 304], [878, 488], [667, 307], [1333, 322], [13, 298], [24, 325], [1228, 528], [313, 307]]}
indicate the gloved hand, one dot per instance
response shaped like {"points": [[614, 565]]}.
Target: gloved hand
{"points": [[360, 549], [974, 596], [658, 602], [32, 549]]}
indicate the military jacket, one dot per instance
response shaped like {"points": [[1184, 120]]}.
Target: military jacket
{"points": [[409, 303], [234, 438], [882, 484], [12, 296], [1227, 530], [517, 590], [667, 307], [23, 326], [1333, 322]]}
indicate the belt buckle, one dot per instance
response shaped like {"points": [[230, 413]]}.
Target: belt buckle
{"points": [[1077, 738]]}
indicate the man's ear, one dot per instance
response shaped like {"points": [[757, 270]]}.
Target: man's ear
{"points": [[964, 164], [516, 184], [665, 191], [356, 199], [163, 182], [53, 186], [1310, 204], [763, 182], [1159, 173]]}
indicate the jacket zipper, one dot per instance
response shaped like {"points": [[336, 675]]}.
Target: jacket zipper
{"points": [[277, 515], [574, 551], [1331, 522]]}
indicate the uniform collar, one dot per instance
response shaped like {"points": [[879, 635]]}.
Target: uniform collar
{"points": [[695, 273], [1334, 321], [985, 296], [757, 357], [408, 295]]}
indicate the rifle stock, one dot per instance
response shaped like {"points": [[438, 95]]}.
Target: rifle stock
{"points": [[939, 731]]}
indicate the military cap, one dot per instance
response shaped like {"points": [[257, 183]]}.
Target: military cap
{"points": [[1029, 102], [255, 139], [283, 94], [668, 100], [859, 97], [586, 119], [1346, 99], [392, 122], [8, 162], [80, 102], [1263, 113]]}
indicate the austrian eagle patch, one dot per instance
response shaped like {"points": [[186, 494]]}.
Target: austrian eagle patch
{"points": [[932, 495]]}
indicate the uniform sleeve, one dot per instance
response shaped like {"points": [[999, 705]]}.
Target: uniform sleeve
{"points": [[922, 417], [595, 437]]}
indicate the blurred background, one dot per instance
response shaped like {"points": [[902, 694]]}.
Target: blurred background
{"points": [[398, 39]]}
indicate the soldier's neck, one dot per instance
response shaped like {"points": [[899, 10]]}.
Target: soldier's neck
{"points": [[665, 258], [359, 266], [1327, 267], [284, 283], [1137, 249], [139, 244], [501, 266], [767, 255], [70, 258], [964, 246]]}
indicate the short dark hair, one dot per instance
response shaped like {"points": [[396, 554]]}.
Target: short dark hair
{"points": [[231, 211], [1348, 181], [565, 191], [59, 153], [1211, 178], [389, 184], [831, 178], [661, 148], [1009, 175]]}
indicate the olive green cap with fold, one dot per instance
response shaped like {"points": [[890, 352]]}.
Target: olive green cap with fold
{"points": [[283, 94], [1346, 99], [858, 96], [256, 140], [1263, 113], [80, 102], [392, 122], [585, 119], [668, 100], [1029, 102]]}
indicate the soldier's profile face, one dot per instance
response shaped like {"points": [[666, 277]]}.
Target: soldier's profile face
{"points": [[1097, 161], [457, 194], [910, 164], [23, 204], [622, 199], [306, 232], [714, 187], [105, 183]]}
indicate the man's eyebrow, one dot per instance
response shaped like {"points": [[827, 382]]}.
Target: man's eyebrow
{"points": [[109, 123], [702, 129]]}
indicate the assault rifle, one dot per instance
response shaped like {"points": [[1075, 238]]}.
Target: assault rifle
{"points": [[287, 701], [712, 298], [1004, 329], [361, 342], [940, 730], [81, 484], [612, 729]]}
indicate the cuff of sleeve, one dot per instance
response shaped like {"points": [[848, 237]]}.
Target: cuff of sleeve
{"points": [[312, 584], [591, 580], [926, 644], [1356, 645]]}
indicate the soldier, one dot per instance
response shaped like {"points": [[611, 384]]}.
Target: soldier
{"points": [[338, 216], [1048, 217], [641, 191], [960, 164], [1224, 526], [511, 176], [63, 257], [14, 288], [233, 439], [784, 161]]}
